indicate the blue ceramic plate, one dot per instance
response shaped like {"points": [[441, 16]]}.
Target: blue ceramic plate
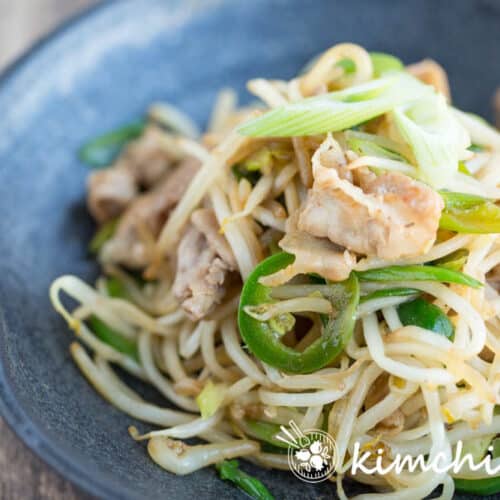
{"points": [[103, 70]]}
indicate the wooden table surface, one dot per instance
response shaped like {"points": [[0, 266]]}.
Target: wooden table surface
{"points": [[23, 476]]}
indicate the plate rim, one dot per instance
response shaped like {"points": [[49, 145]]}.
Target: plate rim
{"points": [[15, 417], [11, 410]]}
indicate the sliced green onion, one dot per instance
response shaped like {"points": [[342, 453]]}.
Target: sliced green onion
{"points": [[264, 431], [114, 339], [435, 136], [210, 398], [482, 219], [348, 65], [338, 110], [373, 145], [454, 200], [454, 261], [229, 471], [103, 234], [468, 213], [476, 148], [421, 313], [462, 168], [116, 288], [418, 273], [384, 63], [389, 292], [260, 160], [103, 150], [240, 172]]}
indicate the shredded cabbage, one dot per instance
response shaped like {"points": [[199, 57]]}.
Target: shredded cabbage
{"points": [[210, 398], [481, 132], [437, 139]]}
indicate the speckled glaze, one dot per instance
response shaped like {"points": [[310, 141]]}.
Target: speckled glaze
{"points": [[103, 70]]}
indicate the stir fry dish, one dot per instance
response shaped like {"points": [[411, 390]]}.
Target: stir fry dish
{"points": [[327, 256]]}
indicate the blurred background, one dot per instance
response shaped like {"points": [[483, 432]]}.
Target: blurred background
{"points": [[24, 21], [22, 475]]}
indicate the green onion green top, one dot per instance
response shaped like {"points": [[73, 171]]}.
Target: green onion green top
{"points": [[102, 151], [229, 471], [418, 273]]}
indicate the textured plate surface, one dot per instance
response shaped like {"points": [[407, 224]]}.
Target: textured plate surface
{"points": [[103, 70]]}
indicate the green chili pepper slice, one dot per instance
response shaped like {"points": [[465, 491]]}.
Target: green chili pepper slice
{"points": [[101, 151], [487, 485], [265, 343], [421, 313], [483, 487], [496, 447], [113, 338], [228, 470], [418, 273]]}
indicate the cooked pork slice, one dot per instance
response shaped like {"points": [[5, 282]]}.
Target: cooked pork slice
{"points": [[334, 157], [316, 255], [202, 267], [109, 193], [143, 163], [432, 73], [389, 216], [142, 221], [146, 159], [312, 255]]}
